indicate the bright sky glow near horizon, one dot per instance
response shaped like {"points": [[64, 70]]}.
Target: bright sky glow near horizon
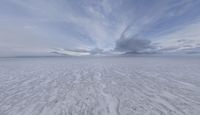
{"points": [[35, 26]]}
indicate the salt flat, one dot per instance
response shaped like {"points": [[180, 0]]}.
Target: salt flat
{"points": [[100, 86]]}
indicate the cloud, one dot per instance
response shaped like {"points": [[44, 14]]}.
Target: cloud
{"points": [[133, 45], [96, 51], [182, 39], [68, 52], [91, 24]]}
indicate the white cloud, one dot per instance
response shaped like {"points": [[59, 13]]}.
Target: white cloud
{"points": [[187, 37], [92, 23]]}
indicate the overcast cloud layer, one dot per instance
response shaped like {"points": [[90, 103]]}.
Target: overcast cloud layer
{"points": [[37, 26]]}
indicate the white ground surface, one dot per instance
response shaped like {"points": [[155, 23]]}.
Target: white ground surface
{"points": [[100, 86]]}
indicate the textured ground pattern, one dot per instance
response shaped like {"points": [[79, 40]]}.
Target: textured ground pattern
{"points": [[100, 86]]}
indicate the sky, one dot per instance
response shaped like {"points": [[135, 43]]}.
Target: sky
{"points": [[96, 26]]}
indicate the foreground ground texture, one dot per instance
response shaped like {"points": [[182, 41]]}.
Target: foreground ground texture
{"points": [[100, 86]]}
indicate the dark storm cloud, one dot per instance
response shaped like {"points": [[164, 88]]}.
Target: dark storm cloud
{"points": [[133, 45]]}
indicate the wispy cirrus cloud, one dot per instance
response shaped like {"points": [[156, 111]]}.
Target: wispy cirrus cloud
{"points": [[184, 38], [99, 24]]}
